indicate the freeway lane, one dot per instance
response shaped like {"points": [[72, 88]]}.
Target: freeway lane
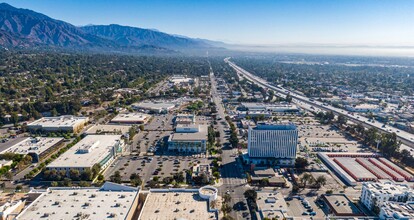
{"points": [[405, 137]]}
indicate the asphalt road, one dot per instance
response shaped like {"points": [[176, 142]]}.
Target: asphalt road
{"points": [[233, 181]]}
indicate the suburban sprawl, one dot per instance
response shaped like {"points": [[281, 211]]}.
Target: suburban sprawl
{"points": [[243, 137]]}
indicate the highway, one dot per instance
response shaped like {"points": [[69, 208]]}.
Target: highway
{"points": [[405, 137]]}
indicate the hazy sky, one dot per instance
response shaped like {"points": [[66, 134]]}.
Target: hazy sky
{"points": [[367, 22]]}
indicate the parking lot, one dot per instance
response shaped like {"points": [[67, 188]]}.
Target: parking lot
{"points": [[304, 208], [326, 137], [148, 167]]}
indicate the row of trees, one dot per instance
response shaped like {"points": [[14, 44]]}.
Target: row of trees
{"points": [[234, 140]]}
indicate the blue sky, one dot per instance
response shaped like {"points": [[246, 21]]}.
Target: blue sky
{"points": [[349, 22]]}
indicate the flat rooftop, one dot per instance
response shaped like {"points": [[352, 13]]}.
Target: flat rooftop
{"points": [[341, 205], [195, 136], [132, 117], [90, 150], [32, 145], [271, 204], [92, 203], [62, 121], [355, 168], [154, 105], [174, 206], [113, 129], [275, 127]]}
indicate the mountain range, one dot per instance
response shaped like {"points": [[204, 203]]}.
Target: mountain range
{"points": [[23, 28]]}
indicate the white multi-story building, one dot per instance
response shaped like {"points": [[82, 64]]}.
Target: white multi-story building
{"points": [[397, 210], [375, 194], [91, 150], [273, 142]]}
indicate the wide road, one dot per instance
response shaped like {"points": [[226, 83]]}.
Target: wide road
{"points": [[405, 137], [233, 181]]}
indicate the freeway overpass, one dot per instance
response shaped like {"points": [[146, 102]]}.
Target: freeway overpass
{"points": [[405, 137]]}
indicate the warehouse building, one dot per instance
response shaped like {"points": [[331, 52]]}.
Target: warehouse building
{"points": [[37, 147], [66, 123], [154, 107], [91, 150], [113, 201], [275, 142], [176, 203]]}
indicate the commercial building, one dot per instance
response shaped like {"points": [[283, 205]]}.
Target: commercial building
{"points": [[66, 123], [131, 118], [109, 129], [341, 205], [281, 107], [36, 147], [202, 169], [276, 142], [181, 79], [271, 205], [185, 119], [113, 201], [154, 107], [91, 150], [176, 203], [11, 205], [374, 195], [363, 108], [189, 138]]}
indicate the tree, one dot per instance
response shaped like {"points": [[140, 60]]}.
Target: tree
{"points": [[116, 177], [226, 198], [320, 181], [87, 175], [225, 208], [96, 168], [101, 177], [306, 177], [301, 163], [342, 119], [74, 174], [250, 194], [264, 182], [135, 179]]}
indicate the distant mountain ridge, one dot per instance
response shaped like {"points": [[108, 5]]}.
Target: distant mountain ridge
{"points": [[27, 28], [133, 36]]}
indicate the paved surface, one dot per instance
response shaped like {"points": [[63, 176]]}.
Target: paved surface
{"points": [[233, 181]]}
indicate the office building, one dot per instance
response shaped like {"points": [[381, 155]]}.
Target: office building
{"points": [[273, 142], [66, 123], [91, 150], [37, 147], [189, 138]]}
